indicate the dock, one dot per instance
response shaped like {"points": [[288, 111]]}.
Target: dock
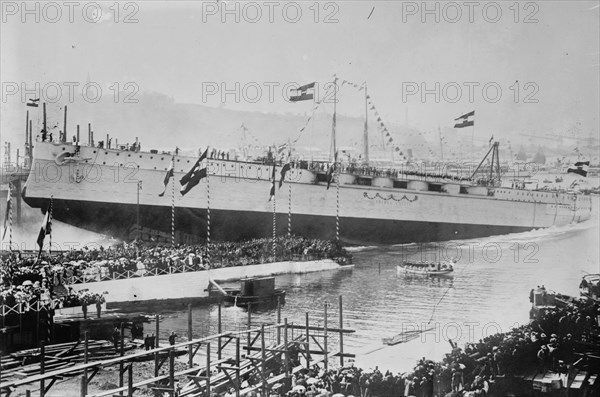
{"points": [[273, 352]]}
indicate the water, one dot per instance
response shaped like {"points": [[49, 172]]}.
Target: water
{"points": [[489, 292]]}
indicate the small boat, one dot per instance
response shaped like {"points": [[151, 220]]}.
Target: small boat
{"points": [[427, 268], [254, 291]]}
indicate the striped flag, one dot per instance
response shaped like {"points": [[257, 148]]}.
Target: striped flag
{"points": [[581, 168], [286, 167], [8, 210], [194, 176], [272, 191], [466, 120], [303, 93], [168, 176], [46, 228], [33, 103]]}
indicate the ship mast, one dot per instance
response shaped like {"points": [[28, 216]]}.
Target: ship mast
{"points": [[366, 133]]}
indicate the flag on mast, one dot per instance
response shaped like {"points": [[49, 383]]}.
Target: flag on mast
{"points": [[46, 228], [302, 93], [168, 176], [466, 120], [272, 191], [581, 168], [8, 209]]}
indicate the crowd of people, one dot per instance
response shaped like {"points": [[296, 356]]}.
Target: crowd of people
{"points": [[28, 279], [547, 343]]}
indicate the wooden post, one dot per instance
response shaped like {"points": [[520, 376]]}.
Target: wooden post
{"points": [[208, 369], [77, 134], [278, 319], [157, 331], [307, 343], [286, 356], [84, 385], [249, 324], [341, 334], [121, 353], [89, 134], [172, 371], [42, 356], [237, 365], [83, 388], [219, 330], [156, 319], [325, 357], [190, 350], [106, 145], [263, 360], [130, 380]]}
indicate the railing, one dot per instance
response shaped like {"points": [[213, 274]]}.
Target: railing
{"points": [[24, 307], [185, 268]]}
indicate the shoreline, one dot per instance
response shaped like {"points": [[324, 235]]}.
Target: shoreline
{"points": [[193, 286]]}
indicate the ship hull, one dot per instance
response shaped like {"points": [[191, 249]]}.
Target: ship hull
{"points": [[98, 191], [116, 219]]}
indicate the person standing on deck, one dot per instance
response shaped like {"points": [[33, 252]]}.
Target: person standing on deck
{"points": [[172, 338]]}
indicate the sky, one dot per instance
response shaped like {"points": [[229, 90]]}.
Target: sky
{"points": [[538, 61]]}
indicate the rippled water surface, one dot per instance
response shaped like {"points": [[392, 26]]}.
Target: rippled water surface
{"points": [[489, 291]]}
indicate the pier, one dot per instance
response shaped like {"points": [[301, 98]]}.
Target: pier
{"points": [[269, 353]]}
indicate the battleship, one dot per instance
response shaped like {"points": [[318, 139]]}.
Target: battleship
{"points": [[97, 189], [116, 190]]}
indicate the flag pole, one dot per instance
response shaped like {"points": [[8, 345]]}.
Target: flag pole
{"points": [[207, 212], [337, 204], [289, 209], [50, 222], [173, 211], [274, 248], [473, 138], [10, 217], [333, 124]]}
